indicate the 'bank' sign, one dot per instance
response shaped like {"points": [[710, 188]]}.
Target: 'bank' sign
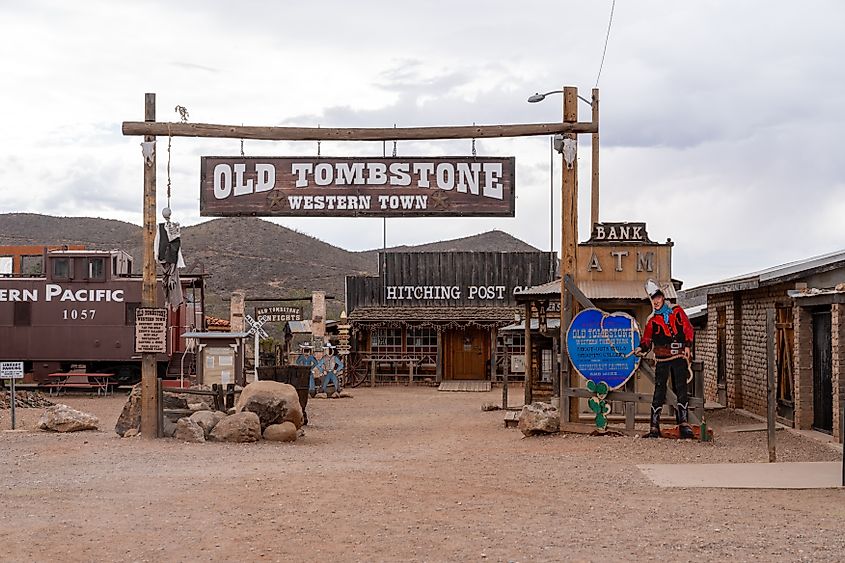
{"points": [[354, 187]]}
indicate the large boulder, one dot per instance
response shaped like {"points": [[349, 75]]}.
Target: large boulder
{"points": [[207, 420], [238, 427], [130, 416], [284, 432], [273, 402], [539, 418], [62, 418], [189, 431]]}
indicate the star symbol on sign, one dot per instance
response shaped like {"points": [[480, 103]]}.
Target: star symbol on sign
{"points": [[439, 200], [275, 199]]}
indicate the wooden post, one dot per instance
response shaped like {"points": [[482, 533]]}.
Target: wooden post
{"points": [[529, 376], [770, 372], [566, 379], [630, 408], [149, 396], [373, 373], [438, 369], [569, 232], [505, 386], [697, 367], [160, 410], [594, 193], [493, 355]]}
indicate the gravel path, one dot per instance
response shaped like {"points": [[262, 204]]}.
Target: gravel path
{"points": [[397, 474]]}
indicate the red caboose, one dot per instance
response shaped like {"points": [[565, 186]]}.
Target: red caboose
{"points": [[80, 312]]}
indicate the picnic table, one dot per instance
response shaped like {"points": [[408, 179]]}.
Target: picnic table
{"points": [[62, 381]]}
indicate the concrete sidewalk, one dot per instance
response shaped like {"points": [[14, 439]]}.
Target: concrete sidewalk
{"points": [[803, 475]]}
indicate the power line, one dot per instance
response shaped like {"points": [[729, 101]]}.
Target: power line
{"points": [[606, 39]]}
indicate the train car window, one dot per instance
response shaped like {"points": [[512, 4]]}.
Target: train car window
{"points": [[23, 313], [32, 265], [130, 312], [6, 263], [61, 268], [97, 269]]}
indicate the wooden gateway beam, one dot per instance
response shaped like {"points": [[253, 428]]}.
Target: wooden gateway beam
{"points": [[352, 134]]}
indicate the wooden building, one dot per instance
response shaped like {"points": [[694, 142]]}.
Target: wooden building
{"points": [[437, 315]]}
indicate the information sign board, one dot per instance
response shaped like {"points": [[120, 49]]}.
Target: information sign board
{"points": [[151, 330], [601, 346]]}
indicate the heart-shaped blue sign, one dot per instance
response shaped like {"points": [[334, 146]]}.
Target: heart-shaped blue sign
{"points": [[600, 346]]}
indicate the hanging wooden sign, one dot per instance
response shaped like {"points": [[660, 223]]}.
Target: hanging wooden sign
{"points": [[357, 186]]}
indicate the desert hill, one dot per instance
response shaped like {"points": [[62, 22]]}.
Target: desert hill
{"points": [[263, 258]]}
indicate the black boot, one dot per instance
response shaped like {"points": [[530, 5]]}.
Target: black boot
{"points": [[682, 416], [654, 430]]}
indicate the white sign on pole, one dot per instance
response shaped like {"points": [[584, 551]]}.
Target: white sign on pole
{"points": [[151, 330], [11, 370]]}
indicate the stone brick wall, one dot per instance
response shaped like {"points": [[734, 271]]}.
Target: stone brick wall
{"points": [[803, 391], [745, 336], [837, 317]]}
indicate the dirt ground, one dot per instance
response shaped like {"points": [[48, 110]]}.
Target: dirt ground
{"points": [[397, 474]]}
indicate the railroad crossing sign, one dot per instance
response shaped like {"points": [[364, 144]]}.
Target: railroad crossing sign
{"points": [[256, 327]]}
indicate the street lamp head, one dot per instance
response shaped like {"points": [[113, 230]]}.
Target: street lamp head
{"points": [[538, 97]]}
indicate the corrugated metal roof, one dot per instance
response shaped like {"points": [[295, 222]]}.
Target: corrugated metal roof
{"points": [[623, 289], [770, 275], [601, 290]]}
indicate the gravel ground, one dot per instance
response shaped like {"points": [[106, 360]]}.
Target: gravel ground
{"points": [[397, 474]]}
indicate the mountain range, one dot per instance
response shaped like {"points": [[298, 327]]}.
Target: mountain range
{"points": [[260, 257]]}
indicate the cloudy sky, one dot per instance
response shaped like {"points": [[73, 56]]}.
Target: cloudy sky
{"points": [[721, 121]]}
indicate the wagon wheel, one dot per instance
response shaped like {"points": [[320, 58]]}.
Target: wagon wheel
{"points": [[356, 371]]}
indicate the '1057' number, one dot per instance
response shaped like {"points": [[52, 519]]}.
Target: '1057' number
{"points": [[74, 314]]}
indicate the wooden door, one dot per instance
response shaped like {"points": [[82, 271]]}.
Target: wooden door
{"points": [[467, 354], [822, 373], [721, 356], [784, 348]]}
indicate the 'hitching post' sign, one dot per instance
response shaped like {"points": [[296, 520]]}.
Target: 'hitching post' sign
{"points": [[11, 370], [150, 330], [600, 346], [357, 186]]}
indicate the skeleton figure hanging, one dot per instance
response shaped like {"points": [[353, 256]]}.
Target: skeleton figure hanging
{"points": [[168, 247]]}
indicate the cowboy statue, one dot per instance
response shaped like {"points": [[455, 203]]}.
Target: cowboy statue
{"points": [[306, 358], [670, 333], [331, 366]]}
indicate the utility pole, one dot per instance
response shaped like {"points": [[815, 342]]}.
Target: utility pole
{"points": [[149, 393], [568, 242]]}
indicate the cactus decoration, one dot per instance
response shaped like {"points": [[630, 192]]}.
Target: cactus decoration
{"points": [[598, 404]]}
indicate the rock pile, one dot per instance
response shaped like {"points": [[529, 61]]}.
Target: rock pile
{"points": [[265, 409], [24, 400]]}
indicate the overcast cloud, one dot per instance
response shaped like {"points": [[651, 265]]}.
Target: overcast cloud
{"points": [[720, 120]]}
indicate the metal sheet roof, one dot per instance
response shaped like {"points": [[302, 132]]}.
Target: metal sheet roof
{"points": [[782, 272], [600, 290]]}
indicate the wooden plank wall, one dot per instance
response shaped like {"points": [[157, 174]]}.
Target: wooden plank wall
{"points": [[461, 269]]}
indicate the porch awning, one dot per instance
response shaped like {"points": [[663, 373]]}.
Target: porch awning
{"points": [[433, 316]]}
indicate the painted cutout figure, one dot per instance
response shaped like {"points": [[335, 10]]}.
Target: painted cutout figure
{"points": [[306, 358], [331, 367], [670, 333]]}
